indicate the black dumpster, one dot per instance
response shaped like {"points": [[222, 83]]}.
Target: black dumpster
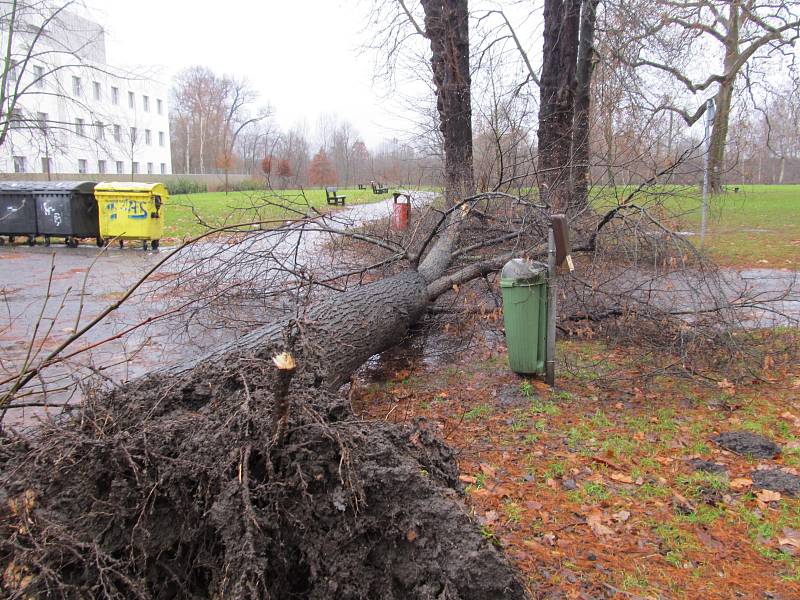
{"points": [[66, 209], [17, 210]]}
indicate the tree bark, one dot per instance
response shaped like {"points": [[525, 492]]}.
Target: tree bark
{"points": [[447, 29], [580, 152], [719, 130], [557, 101]]}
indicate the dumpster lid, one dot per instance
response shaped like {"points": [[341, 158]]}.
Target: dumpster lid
{"points": [[521, 269], [131, 186], [86, 187]]}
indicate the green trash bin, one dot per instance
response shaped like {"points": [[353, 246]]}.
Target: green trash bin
{"points": [[524, 286]]}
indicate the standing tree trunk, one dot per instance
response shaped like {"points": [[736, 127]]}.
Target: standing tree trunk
{"points": [[447, 28], [580, 152], [557, 101]]}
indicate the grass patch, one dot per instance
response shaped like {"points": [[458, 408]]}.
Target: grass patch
{"points": [[218, 209]]}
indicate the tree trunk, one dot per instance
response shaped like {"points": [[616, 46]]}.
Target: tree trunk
{"points": [[580, 153], [719, 131], [557, 101], [447, 28], [719, 135]]}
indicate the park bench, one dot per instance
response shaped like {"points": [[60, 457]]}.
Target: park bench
{"points": [[332, 197], [378, 189]]}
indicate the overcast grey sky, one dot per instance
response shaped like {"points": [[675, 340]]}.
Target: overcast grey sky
{"points": [[301, 55]]}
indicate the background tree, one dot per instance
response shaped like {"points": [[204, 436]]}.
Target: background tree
{"points": [[209, 114], [321, 171], [665, 41]]}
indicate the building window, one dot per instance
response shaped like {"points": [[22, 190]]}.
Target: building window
{"points": [[79, 126], [12, 72], [163, 168], [19, 164], [15, 120], [114, 95], [81, 165], [97, 91], [41, 121], [160, 138], [131, 100], [117, 133], [148, 138], [120, 167], [146, 103], [149, 168], [133, 135], [101, 166], [38, 76], [99, 131], [76, 86], [159, 106], [45, 164], [135, 169]]}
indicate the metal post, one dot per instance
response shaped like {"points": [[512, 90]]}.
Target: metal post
{"points": [[709, 121], [550, 351]]}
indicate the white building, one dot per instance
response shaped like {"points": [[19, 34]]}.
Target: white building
{"points": [[77, 114]]}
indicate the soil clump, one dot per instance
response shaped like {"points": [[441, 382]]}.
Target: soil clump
{"points": [[179, 488]]}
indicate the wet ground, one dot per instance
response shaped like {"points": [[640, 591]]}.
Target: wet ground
{"points": [[47, 293]]}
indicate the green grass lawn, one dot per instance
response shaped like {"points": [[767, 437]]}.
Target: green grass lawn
{"points": [[189, 215], [758, 226]]}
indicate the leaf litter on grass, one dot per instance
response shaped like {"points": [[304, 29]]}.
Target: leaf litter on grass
{"points": [[600, 476]]}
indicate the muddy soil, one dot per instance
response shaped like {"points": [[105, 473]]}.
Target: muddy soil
{"points": [[179, 489]]}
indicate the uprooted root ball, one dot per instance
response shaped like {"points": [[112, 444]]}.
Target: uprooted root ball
{"points": [[178, 488]]}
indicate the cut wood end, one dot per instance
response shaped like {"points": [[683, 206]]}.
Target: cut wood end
{"points": [[284, 361]]}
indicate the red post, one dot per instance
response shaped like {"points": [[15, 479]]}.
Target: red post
{"points": [[402, 211]]}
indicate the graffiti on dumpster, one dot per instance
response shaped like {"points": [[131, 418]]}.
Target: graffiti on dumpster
{"points": [[11, 211], [131, 209], [52, 213]]}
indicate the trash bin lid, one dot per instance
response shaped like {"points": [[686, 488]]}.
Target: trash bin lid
{"points": [[520, 271]]}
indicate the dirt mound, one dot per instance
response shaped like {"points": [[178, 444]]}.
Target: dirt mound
{"points": [[177, 488], [747, 443]]}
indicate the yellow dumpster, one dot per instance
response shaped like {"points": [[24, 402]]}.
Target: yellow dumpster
{"points": [[131, 211]]}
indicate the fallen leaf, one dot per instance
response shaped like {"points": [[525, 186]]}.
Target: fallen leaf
{"points": [[768, 496], [488, 470], [791, 417], [791, 537], [490, 516], [595, 521], [741, 483], [622, 478], [621, 516], [502, 492], [467, 479], [411, 535], [709, 541]]}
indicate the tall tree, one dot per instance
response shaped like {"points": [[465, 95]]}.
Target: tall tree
{"points": [[320, 170], [447, 30], [564, 93], [667, 39]]}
